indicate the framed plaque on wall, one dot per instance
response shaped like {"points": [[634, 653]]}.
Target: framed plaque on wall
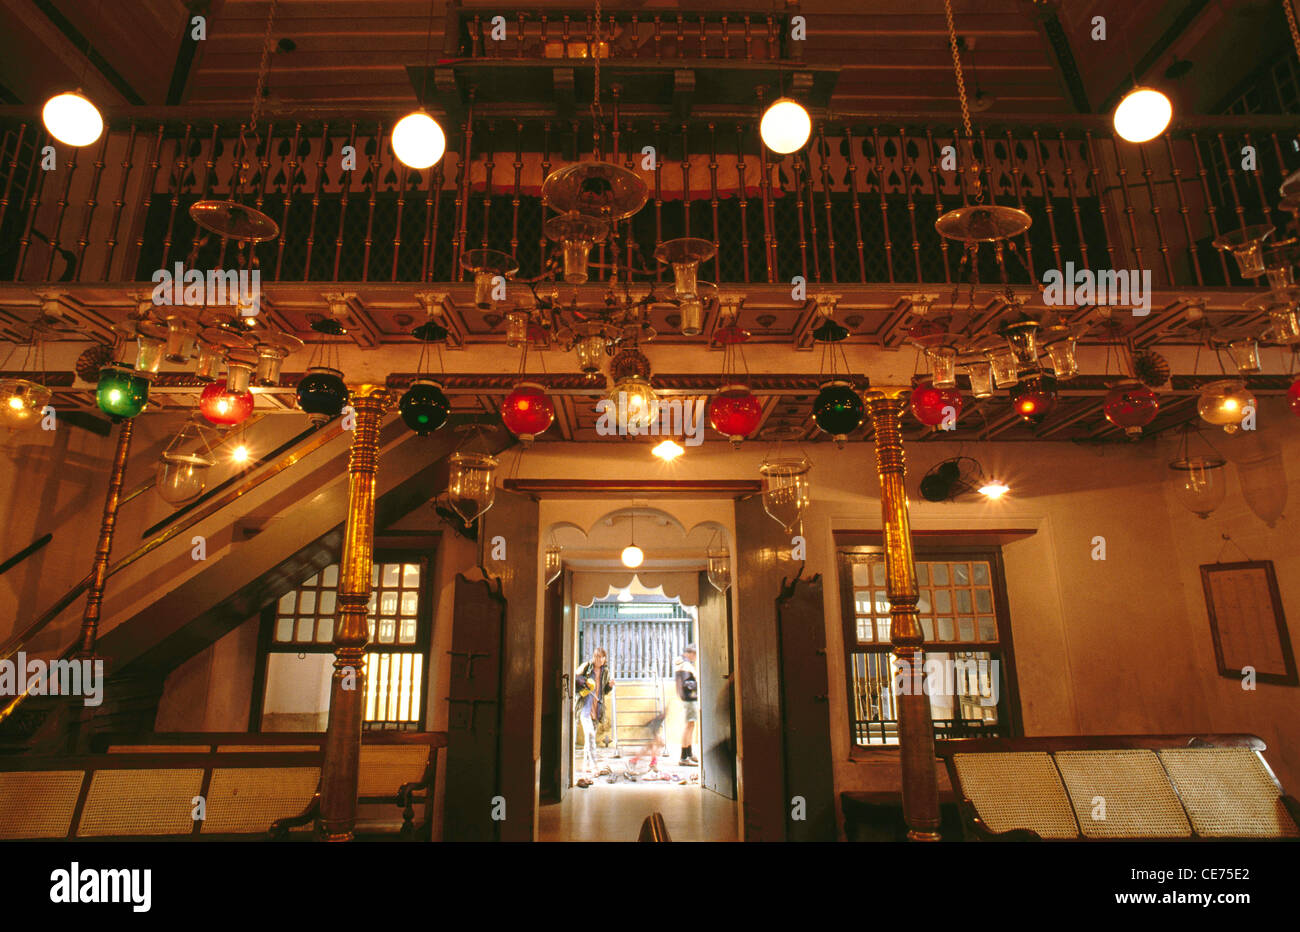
{"points": [[1246, 621]]}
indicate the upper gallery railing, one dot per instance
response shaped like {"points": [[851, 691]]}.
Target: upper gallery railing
{"points": [[856, 205]]}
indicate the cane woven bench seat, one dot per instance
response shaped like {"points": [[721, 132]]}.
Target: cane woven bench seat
{"points": [[140, 802], [243, 800], [1018, 790], [1118, 787], [1228, 793], [1122, 794], [38, 805]]}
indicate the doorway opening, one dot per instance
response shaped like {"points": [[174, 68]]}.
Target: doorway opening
{"points": [[643, 616], [649, 728]]}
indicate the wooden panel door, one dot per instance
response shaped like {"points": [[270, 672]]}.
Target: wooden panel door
{"points": [[553, 703], [805, 712], [473, 772], [512, 522], [568, 634], [763, 560], [717, 718]]}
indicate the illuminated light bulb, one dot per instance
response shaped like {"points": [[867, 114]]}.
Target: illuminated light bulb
{"points": [[239, 454], [994, 489], [17, 403], [418, 140], [668, 450], [632, 556], [785, 126], [1142, 115], [72, 119]]}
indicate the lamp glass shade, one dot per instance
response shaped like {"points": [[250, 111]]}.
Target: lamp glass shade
{"points": [[931, 405], [1003, 365], [838, 410], [121, 393], [554, 563], [21, 403], [1034, 397], [785, 490], [418, 140], [72, 119], [527, 411], [1063, 357], [222, 407], [1199, 483], [943, 366], [1142, 115], [785, 126], [471, 486], [181, 477], [636, 404], [719, 569], [322, 394], [735, 412], [424, 407], [981, 379], [1293, 397], [1245, 355], [1223, 403], [1131, 406]]}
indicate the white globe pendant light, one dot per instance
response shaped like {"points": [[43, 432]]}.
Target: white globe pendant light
{"points": [[1142, 115], [72, 119], [632, 556], [418, 140], [785, 126]]}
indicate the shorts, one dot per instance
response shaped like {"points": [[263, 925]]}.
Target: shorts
{"points": [[692, 710]]}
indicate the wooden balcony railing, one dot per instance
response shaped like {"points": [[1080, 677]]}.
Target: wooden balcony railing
{"points": [[856, 205]]}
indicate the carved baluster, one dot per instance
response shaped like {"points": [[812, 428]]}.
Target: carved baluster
{"points": [[315, 198], [343, 203]]}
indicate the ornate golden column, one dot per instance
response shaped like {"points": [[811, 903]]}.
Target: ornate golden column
{"points": [[915, 726], [339, 770], [107, 524]]}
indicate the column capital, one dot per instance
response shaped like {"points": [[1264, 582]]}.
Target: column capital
{"points": [[887, 392], [369, 396]]}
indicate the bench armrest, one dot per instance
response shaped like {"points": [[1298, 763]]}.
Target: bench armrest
{"points": [[280, 827]]}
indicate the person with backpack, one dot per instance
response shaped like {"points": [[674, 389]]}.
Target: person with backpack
{"points": [[688, 692], [591, 684]]}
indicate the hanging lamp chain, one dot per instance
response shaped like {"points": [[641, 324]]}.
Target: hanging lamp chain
{"points": [[595, 99], [961, 96], [262, 69], [1291, 24]]}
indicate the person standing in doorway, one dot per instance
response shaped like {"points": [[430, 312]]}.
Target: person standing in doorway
{"points": [[688, 691], [592, 683]]}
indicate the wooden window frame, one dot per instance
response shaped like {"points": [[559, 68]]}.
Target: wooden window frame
{"points": [[397, 551], [927, 549]]}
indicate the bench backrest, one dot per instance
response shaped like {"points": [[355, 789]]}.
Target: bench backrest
{"points": [[1142, 786], [389, 760], [128, 795]]}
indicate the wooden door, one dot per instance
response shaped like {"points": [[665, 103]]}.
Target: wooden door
{"points": [[763, 561], [568, 634], [805, 713], [553, 704], [717, 717], [512, 523], [473, 771]]}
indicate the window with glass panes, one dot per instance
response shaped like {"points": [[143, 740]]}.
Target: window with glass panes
{"points": [[303, 625], [962, 611]]}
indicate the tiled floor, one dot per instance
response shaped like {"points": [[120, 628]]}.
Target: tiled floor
{"points": [[614, 813]]}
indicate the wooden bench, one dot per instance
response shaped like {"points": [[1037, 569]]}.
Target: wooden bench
{"points": [[148, 797], [396, 767], [1118, 787]]}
